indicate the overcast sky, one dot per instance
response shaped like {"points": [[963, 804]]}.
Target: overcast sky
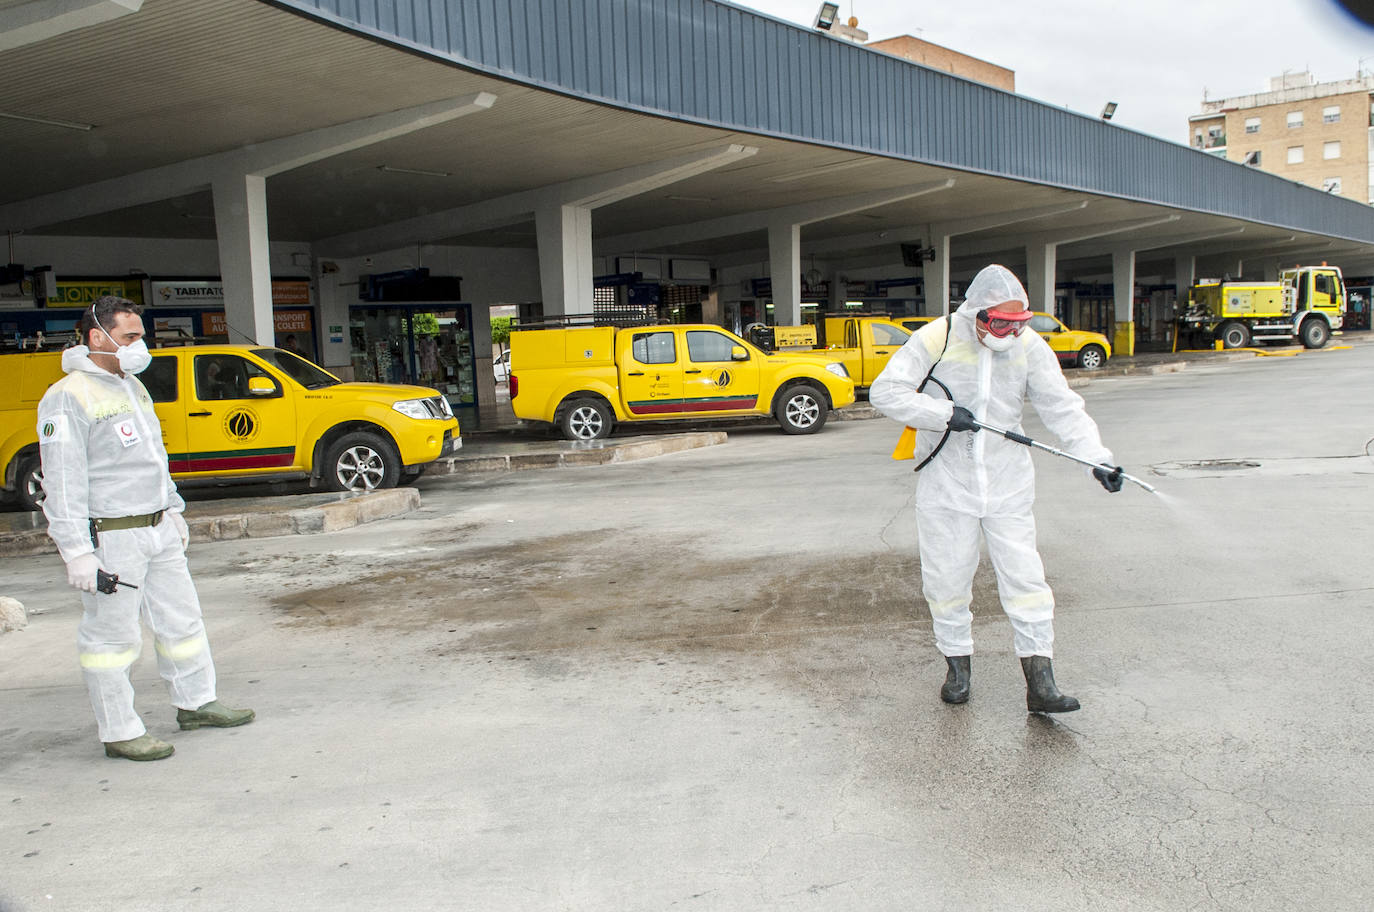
{"points": [[1154, 58]]}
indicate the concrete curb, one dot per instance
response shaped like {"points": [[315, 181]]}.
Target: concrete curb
{"points": [[569, 454], [238, 519]]}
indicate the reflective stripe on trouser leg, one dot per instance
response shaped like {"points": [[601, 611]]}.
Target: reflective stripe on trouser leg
{"points": [[171, 609], [109, 640], [949, 558], [1026, 597]]}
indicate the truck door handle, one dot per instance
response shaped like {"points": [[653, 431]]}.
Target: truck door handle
{"points": [[197, 414], [635, 374], [692, 372]]}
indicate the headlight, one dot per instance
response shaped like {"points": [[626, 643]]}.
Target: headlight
{"points": [[837, 369], [424, 409]]}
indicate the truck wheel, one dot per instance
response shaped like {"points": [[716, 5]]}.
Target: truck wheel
{"points": [[801, 410], [1091, 357], [1234, 335], [361, 461], [1314, 332], [28, 483], [584, 419]]}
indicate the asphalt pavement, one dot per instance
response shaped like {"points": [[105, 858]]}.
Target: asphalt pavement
{"points": [[706, 681]]}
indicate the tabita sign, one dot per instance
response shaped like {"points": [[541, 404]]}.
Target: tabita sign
{"points": [[207, 293]]}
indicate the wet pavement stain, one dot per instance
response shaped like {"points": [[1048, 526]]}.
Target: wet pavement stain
{"points": [[600, 589]]}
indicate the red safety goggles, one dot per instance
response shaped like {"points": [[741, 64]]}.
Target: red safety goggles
{"points": [[1003, 323]]}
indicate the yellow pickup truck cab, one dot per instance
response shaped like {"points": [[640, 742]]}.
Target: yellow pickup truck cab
{"points": [[249, 413], [1073, 347], [584, 379], [864, 344]]}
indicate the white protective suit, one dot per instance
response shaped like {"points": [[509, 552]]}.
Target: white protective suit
{"points": [[103, 457], [980, 480]]}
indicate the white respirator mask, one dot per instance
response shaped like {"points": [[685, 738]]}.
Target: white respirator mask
{"points": [[999, 343], [133, 359]]}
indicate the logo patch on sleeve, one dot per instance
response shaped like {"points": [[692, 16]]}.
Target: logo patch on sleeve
{"points": [[52, 430]]}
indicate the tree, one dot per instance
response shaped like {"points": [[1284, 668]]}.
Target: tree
{"points": [[500, 332]]}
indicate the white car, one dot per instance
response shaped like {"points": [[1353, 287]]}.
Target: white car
{"points": [[501, 367]]}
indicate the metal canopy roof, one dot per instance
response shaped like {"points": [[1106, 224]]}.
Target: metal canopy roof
{"points": [[182, 79]]}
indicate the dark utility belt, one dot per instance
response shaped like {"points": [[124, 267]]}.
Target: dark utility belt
{"points": [[117, 523]]}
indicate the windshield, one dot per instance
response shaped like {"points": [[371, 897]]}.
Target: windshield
{"points": [[297, 368]]}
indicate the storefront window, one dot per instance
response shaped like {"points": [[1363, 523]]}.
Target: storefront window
{"points": [[420, 345]]}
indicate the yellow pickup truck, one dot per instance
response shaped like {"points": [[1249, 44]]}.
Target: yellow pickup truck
{"points": [[584, 379], [240, 412], [864, 344]]}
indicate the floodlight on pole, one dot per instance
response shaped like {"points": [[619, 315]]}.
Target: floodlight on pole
{"points": [[826, 17], [1108, 110]]}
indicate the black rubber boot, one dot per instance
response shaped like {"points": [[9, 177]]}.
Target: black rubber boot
{"points": [[955, 689], [1041, 694]]}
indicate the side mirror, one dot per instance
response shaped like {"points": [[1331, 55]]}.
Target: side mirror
{"points": [[738, 353], [261, 386]]}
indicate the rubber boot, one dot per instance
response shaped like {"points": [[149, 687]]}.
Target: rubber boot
{"points": [[956, 687], [144, 747], [1041, 694], [213, 715]]}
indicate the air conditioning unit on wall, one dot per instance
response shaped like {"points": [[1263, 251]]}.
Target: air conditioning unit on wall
{"points": [[690, 270], [649, 268]]}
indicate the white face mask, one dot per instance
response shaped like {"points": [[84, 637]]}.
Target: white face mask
{"points": [[999, 344], [133, 359]]}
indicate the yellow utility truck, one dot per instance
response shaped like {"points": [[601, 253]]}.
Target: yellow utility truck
{"points": [[1306, 305], [584, 379], [863, 343], [248, 413]]}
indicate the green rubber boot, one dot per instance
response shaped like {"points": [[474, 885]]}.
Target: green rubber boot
{"points": [[144, 747], [213, 715]]}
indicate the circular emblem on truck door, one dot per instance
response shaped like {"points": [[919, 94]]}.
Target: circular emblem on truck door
{"points": [[723, 378], [241, 425]]}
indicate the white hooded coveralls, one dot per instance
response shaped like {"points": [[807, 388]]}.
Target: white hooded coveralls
{"points": [[103, 457], [980, 480]]}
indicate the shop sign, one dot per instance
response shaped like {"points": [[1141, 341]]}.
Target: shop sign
{"points": [[188, 293], [84, 293], [284, 321], [173, 329], [211, 293], [290, 292]]}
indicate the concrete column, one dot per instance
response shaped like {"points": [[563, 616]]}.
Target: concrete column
{"points": [[244, 265], [935, 278], [565, 258], [1123, 291], [334, 301], [1185, 269], [1040, 268], [838, 293], [784, 269]]}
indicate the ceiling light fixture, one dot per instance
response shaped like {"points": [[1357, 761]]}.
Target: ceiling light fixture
{"points": [[388, 169], [693, 199], [49, 121]]}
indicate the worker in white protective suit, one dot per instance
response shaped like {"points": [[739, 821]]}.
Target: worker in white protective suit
{"points": [[113, 508], [982, 482]]}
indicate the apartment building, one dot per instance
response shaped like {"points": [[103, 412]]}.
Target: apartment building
{"points": [[1317, 133]]}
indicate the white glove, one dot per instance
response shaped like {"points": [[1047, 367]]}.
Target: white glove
{"points": [[81, 572], [184, 533]]}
